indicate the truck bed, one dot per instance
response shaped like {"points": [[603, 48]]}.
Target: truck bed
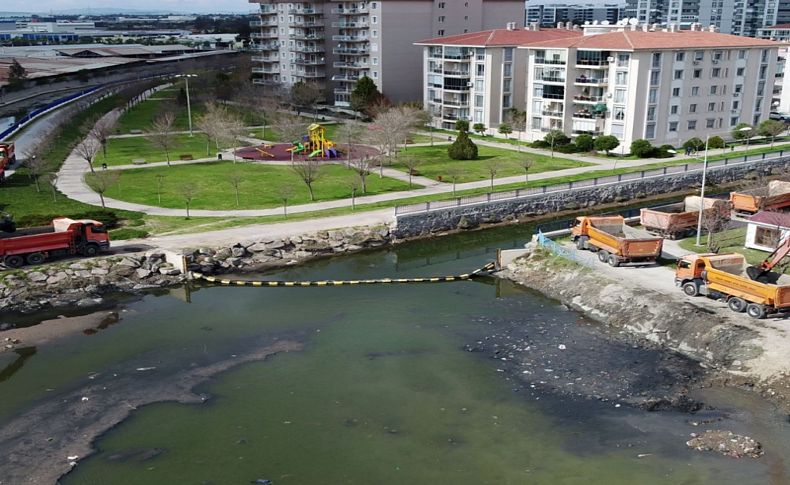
{"points": [[29, 231]]}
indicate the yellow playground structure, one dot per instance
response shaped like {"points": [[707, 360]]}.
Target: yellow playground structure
{"points": [[315, 144]]}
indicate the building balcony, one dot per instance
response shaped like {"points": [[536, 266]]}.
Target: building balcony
{"points": [[357, 51], [266, 46], [351, 38], [553, 114], [346, 77], [317, 49], [587, 115], [265, 59], [456, 73], [344, 24], [350, 65], [309, 62], [583, 98], [459, 57], [556, 62], [306, 36], [267, 9], [463, 88], [592, 63], [551, 79], [351, 11], [304, 11], [263, 23], [455, 102], [307, 23], [265, 70], [552, 96], [346, 91], [264, 35], [591, 81], [310, 74], [265, 82]]}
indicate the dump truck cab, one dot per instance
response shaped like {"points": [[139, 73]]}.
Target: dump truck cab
{"points": [[690, 269], [90, 236]]}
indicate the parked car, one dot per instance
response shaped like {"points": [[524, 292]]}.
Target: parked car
{"points": [[776, 115]]}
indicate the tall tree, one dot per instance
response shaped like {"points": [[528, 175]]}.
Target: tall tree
{"points": [[350, 132], [362, 167], [364, 95], [235, 178], [285, 192], [305, 95], [102, 181], [161, 133], [105, 127], [188, 191], [87, 149], [16, 73], [772, 129], [411, 163]]}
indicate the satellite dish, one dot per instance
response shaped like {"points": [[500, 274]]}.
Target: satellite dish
{"points": [[604, 22], [633, 21]]}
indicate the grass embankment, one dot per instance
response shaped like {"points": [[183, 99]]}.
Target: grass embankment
{"points": [[124, 151], [19, 197], [435, 163], [259, 188]]}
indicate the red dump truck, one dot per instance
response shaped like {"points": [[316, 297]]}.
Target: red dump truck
{"points": [[7, 157], [775, 197], [608, 236], [680, 220], [64, 236]]}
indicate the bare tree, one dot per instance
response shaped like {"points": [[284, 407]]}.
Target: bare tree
{"points": [[87, 149], [160, 182], [52, 181], [36, 156], [362, 166], [289, 128], [235, 178], [350, 132], [493, 167], [285, 192], [526, 164], [213, 124], [308, 171], [102, 181], [455, 172], [518, 121], [390, 128], [714, 223], [411, 163], [105, 127], [305, 95], [161, 133], [188, 191], [354, 184]]}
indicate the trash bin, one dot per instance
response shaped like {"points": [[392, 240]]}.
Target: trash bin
{"points": [[219, 156]]}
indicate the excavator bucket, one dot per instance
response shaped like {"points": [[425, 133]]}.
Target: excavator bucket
{"points": [[755, 272]]}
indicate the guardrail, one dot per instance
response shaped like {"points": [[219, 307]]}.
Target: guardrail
{"points": [[580, 184], [562, 251]]}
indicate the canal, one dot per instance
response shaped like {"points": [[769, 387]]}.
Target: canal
{"points": [[381, 384]]}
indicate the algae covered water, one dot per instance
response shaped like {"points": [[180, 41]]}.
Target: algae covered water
{"points": [[384, 388]]}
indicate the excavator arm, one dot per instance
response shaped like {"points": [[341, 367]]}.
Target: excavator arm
{"points": [[773, 260]]}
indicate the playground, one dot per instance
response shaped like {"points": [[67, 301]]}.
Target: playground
{"points": [[312, 146]]}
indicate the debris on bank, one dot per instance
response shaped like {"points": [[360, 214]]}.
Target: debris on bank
{"points": [[726, 443]]}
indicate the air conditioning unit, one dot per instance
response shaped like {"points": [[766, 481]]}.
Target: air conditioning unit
{"points": [[610, 59], [469, 84], [715, 61], [696, 63], [736, 95]]}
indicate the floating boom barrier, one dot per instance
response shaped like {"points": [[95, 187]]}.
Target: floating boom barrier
{"points": [[385, 281]]}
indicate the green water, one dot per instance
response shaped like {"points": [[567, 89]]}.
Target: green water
{"points": [[383, 391]]}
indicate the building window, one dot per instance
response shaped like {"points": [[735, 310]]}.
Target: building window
{"points": [[618, 113], [506, 85], [699, 56], [479, 100], [440, 33], [621, 78], [733, 121], [695, 90], [656, 60], [676, 92], [693, 108], [740, 71], [714, 90], [536, 121], [673, 126], [651, 113], [508, 70], [506, 101], [742, 54], [711, 106], [440, 19], [619, 95], [680, 56], [673, 109], [692, 125], [678, 75], [479, 85], [710, 123], [697, 73], [508, 54], [652, 96], [715, 72], [480, 70], [650, 131]]}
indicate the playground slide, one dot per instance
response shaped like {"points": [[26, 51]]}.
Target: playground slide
{"points": [[332, 153], [296, 149], [317, 152]]}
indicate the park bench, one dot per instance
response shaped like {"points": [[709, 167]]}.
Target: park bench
{"points": [[187, 156]]}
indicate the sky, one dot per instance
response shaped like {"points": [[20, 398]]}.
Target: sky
{"points": [[197, 6]]}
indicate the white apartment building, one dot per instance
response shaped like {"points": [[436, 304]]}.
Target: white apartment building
{"points": [[336, 42], [665, 86]]}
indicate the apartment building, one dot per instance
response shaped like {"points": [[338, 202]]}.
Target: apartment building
{"points": [[549, 14], [737, 17], [337, 42], [623, 80]]}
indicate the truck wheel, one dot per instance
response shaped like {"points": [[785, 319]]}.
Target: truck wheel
{"points": [[614, 261], [603, 256], [737, 305], [690, 289], [580, 243], [755, 311], [35, 258], [14, 261], [90, 250]]}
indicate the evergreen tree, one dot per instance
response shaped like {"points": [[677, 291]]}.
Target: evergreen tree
{"points": [[364, 95], [16, 73]]}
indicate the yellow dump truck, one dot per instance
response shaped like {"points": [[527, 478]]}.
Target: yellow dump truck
{"points": [[679, 220], [772, 198], [724, 277], [609, 238]]}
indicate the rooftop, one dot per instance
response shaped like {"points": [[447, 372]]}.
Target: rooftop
{"points": [[778, 219], [645, 40], [503, 37]]}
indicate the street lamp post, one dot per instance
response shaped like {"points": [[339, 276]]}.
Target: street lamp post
{"points": [[702, 189], [189, 104]]}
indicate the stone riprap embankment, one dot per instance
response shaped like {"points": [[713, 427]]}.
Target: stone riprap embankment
{"points": [[740, 351], [84, 282]]}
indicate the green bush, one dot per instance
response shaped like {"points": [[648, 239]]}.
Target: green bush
{"points": [[569, 148], [642, 149], [462, 148], [716, 142], [539, 144], [605, 143], [694, 143], [557, 137], [585, 143]]}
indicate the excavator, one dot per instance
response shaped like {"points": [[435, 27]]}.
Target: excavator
{"points": [[7, 157], [762, 272]]}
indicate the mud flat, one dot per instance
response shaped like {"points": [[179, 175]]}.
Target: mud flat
{"points": [[735, 349]]}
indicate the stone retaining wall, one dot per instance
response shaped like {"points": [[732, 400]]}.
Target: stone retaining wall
{"points": [[510, 210], [84, 282]]}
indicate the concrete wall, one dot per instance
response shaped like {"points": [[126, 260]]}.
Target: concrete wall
{"points": [[510, 210]]}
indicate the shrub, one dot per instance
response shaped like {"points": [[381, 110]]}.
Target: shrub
{"points": [[569, 148], [695, 143], [462, 125], [539, 144], [128, 233], [559, 138], [585, 143], [716, 142], [606, 143], [462, 148], [642, 149]]}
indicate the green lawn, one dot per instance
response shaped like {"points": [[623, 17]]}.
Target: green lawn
{"points": [[122, 151], [143, 115], [259, 189], [435, 163]]}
